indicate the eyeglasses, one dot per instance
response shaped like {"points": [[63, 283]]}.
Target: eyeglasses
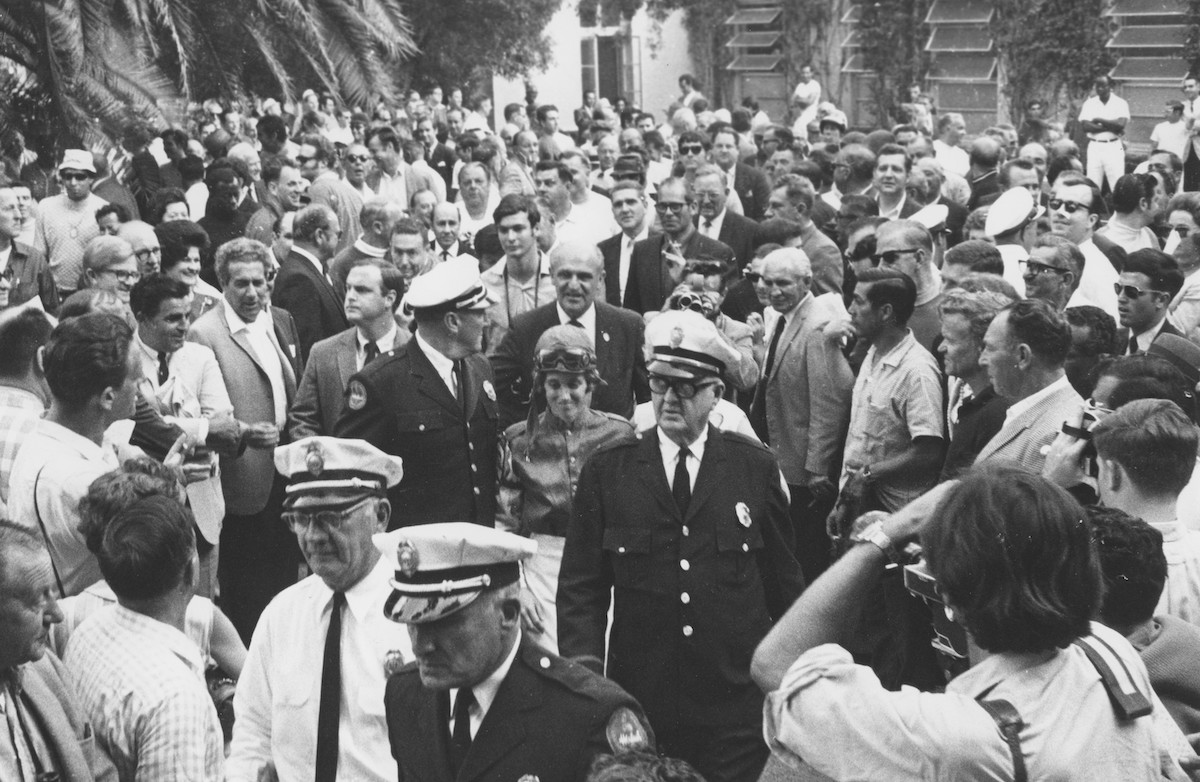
{"points": [[79, 176], [673, 208], [123, 276], [144, 255], [357, 158], [890, 257], [706, 198], [1133, 292], [327, 520], [564, 359], [690, 149], [1070, 206], [684, 389], [1035, 269]]}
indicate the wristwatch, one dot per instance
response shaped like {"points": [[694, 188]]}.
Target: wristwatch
{"points": [[865, 473], [873, 533]]}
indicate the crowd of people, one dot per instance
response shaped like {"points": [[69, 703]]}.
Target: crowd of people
{"points": [[400, 442]]}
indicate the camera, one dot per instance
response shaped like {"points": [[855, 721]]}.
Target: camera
{"points": [[949, 638]]}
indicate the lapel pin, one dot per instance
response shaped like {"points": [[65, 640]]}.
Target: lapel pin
{"points": [[607, 338]]}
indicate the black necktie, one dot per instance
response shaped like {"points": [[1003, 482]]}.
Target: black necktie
{"points": [[164, 371], [758, 407], [370, 352], [460, 739], [331, 695], [681, 486], [769, 364], [1133, 346]]}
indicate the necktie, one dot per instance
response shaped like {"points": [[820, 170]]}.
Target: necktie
{"points": [[331, 695], [758, 408], [370, 352], [1133, 346], [460, 739], [681, 486], [458, 381], [164, 371], [445, 255], [769, 364], [573, 322], [707, 229]]}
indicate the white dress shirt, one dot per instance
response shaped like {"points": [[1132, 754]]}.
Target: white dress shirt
{"points": [[670, 456], [261, 334], [485, 692], [627, 243], [442, 365], [279, 694], [587, 320], [384, 343], [713, 229]]}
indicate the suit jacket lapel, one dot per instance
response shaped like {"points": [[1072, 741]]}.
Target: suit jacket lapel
{"points": [[53, 721], [503, 727], [603, 340], [790, 330], [653, 475], [285, 361], [430, 383], [242, 341], [470, 384], [710, 472], [434, 719], [347, 358]]}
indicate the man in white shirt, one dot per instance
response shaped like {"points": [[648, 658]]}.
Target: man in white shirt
{"points": [[1073, 216], [1104, 117], [1191, 112], [310, 699], [946, 149], [1171, 134], [631, 214], [93, 374], [590, 216], [1128, 226], [804, 101]]}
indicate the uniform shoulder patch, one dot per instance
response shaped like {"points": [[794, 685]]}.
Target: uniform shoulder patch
{"points": [[356, 395], [627, 732]]}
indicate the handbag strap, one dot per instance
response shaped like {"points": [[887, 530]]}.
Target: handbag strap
{"points": [[37, 511], [1009, 721]]}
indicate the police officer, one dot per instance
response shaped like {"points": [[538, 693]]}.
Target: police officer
{"points": [[432, 403], [689, 527], [482, 702], [310, 699]]}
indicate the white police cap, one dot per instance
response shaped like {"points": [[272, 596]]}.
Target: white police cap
{"points": [[1014, 208], [334, 464], [683, 343], [454, 285], [443, 568]]}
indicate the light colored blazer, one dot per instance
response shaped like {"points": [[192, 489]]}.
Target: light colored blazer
{"points": [[66, 728], [807, 396], [321, 394], [1023, 438], [246, 479]]}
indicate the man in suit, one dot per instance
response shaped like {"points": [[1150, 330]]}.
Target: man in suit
{"points": [[439, 156], [792, 199], [890, 180], [657, 262], [447, 221], [750, 183], [1024, 350], [517, 175], [304, 286], [1149, 282], [53, 735], [686, 527], [629, 210], [715, 221], [801, 407], [379, 216], [578, 272], [373, 292], [432, 403], [317, 165], [258, 353], [481, 700], [29, 272]]}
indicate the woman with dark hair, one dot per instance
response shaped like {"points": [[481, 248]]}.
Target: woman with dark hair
{"points": [[183, 244], [540, 460], [1013, 560]]}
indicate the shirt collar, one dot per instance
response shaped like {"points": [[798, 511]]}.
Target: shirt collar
{"points": [[588, 318], [670, 449], [363, 599], [12, 397], [80, 444], [314, 260], [386, 341], [171, 637], [894, 356], [443, 365], [369, 250], [1019, 407], [485, 692]]}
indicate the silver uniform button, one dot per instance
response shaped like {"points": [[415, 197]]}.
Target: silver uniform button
{"points": [[687, 631], [686, 531], [685, 598], [544, 662], [684, 564]]}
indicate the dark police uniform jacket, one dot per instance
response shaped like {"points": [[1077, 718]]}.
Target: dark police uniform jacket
{"points": [[400, 404], [693, 594], [551, 717]]}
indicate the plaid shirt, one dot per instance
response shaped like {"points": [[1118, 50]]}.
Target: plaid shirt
{"points": [[141, 683], [19, 414]]}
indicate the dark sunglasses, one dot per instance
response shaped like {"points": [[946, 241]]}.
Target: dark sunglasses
{"points": [[1182, 230], [690, 149], [76, 177], [1071, 206], [676, 208], [1133, 292], [684, 389], [357, 158], [891, 256], [1035, 269]]}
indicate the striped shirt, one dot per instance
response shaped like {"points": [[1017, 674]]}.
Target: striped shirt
{"points": [[19, 414], [64, 228], [141, 683]]}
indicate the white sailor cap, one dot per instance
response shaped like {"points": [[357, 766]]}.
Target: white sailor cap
{"points": [[683, 343], [443, 568], [931, 216], [333, 464], [452, 285], [1014, 208]]}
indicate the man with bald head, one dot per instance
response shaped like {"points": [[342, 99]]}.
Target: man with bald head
{"points": [[907, 246], [577, 269], [985, 169], [145, 244], [379, 215], [801, 407], [27, 269], [243, 152], [447, 244], [517, 174]]}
